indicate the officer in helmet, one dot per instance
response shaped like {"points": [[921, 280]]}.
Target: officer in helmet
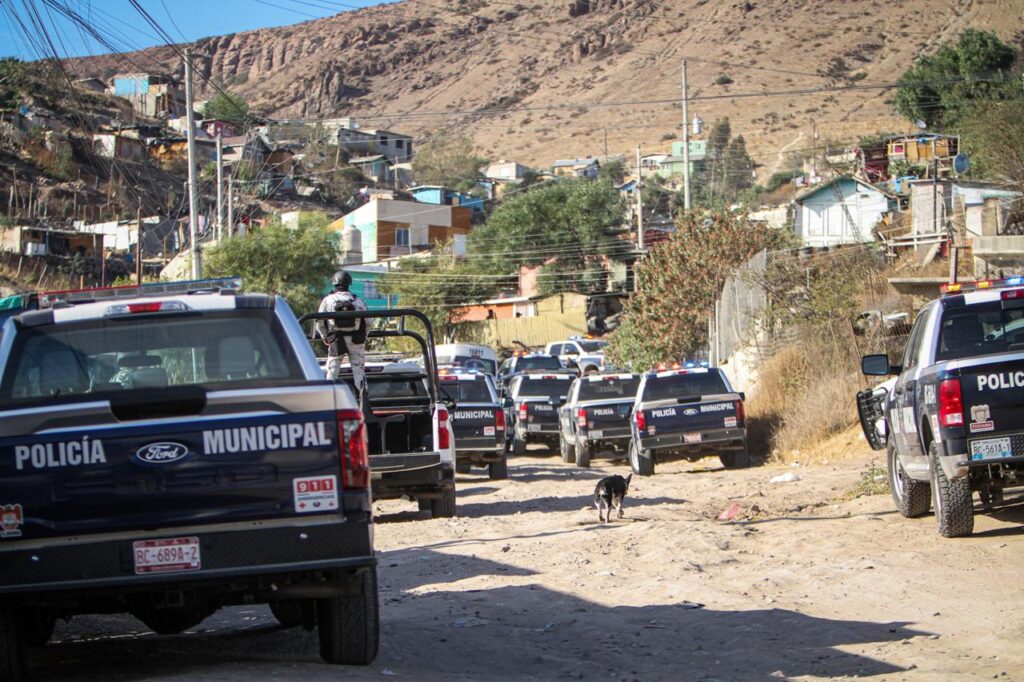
{"points": [[344, 337]]}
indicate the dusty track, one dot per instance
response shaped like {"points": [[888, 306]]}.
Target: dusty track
{"points": [[526, 584]]}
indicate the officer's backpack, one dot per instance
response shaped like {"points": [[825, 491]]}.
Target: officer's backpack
{"points": [[345, 302]]}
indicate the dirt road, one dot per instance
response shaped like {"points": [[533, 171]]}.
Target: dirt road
{"points": [[803, 583]]}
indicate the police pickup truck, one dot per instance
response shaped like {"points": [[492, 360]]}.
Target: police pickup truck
{"points": [[478, 420], [168, 450], [533, 399], [586, 354], [955, 415], [596, 416], [687, 413], [526, 362]]}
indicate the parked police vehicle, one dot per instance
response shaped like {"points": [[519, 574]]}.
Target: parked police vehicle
{"points": [[687, 413], [171, 449], [955, 416], [408, 425], [585, 354], [595, 417], [526, 362], [467, 356], [478, 420], [533, 399]]}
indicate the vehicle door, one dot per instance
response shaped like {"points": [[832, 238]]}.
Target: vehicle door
{"points": [[565, 412], [902, 405]]}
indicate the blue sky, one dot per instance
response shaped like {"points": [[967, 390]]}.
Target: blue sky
{"points": [[185, 20]]}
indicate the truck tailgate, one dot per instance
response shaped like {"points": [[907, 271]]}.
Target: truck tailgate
{"points": [[708, 413], [259, 453], [993, 399]]}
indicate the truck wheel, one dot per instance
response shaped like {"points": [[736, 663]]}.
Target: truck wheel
{"points": [[641, 461], [582, 455], [953, 500], [568, 451], [12, 647], [349, 626], [498, 471], [912, 498], [735, 460], [518, 446], [444, 507]]}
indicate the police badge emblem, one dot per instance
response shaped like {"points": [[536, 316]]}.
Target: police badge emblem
{"points": [[10, 520]]}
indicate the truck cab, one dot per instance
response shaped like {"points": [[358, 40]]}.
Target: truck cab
{"points": [[526, 362], [954, 417]]}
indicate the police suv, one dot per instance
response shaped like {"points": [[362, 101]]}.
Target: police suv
{"points": [[478, 420], [955, 415], [168, 450], [596, 416], [533, 399], [688, 413]]}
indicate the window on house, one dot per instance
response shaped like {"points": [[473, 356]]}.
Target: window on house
{"points": [[399, 144], [370, 290], [402, 236]]}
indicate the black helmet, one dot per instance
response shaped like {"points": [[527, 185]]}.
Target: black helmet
{"points": [[341, 280]]}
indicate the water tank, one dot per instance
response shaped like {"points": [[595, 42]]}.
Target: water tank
{"points": [[351, 246], [698, 125]]}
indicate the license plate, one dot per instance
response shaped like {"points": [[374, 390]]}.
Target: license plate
{"points": [[165, 556], [596, 433], [691, 437], [991, 448], [533, 427], [488, 430]]}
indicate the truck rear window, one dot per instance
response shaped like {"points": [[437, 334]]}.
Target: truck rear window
{"points": [[542, 362], [608, 389], [467, 391], [544, 388], [684, 386], [148, 352], [979, 329]]}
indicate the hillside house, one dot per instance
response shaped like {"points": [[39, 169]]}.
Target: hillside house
{"points": [[214, 127], [152, 95], [442, 196], [843, 211], [246, 148], [375, 167], [395, 147], [672, 165], [391, 227], [119, 145], [168, 151], [505, 170], [580, 168]]}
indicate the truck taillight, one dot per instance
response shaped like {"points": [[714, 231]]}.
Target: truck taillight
{"points": [[951, 403], [740, 414], [524, 410], [581, 417], [355, 455], [641, 420], [444, 436], [499, 420]]}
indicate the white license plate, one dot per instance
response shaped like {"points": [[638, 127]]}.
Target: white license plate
{"points": [[533, 427], [596, 433], [991, 448], [691, 437], [165, 556], [488, 430]]}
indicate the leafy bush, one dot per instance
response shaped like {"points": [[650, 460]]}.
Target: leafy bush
{"points": [[724, 79]]}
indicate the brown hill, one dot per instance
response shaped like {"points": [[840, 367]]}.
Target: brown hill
{"points": [[558, 78]]}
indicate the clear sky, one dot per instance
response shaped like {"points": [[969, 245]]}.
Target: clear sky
{"points": [[122, 25]]}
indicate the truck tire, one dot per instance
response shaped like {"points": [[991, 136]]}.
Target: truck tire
{"points": [[735, 460], [518, 446], [12, 647], [953, 500], [349, 626], [641, 461], [444, 507], [912, 498], [582, 455], [498, 471], [568, 452]]}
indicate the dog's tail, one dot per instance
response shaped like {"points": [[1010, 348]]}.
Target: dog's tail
{"points": [[628, 479]]}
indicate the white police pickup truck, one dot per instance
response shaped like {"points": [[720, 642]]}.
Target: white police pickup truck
{"points": [[171, 449], [585, 354]]}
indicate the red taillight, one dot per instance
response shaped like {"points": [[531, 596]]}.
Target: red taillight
{"points": [[1012, 294], [355, 455], [581, 417], [641, 420], [444, 436], [951, 403], [740, 414], [499, 420], [524, 410]]}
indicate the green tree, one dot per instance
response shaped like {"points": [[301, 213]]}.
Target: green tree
{"points": [[677, 283], [613, 171], [994, 138], [938, 88], [446, 159], [227, 107], [295, 263], [570, 226]]}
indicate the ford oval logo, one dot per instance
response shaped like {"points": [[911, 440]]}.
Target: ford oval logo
{"points": [[690, 411], [162, 453]]}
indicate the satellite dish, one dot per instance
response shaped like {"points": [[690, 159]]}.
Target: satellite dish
{"points": [[961, 162], [920, 124]]}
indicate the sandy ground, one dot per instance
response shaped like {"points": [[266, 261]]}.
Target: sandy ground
{"points": [[803, 583]]}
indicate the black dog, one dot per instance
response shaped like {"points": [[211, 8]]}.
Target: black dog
{"points": [[610, 492]]}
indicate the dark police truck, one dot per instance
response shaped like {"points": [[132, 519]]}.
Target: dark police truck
{"points": [[168, 450], [954, 419]]}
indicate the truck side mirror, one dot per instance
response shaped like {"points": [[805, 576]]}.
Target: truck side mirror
{"points": [[876, 365]]}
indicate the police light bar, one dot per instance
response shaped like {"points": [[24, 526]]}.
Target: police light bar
{"points": [[72, 296], [981, 285]]}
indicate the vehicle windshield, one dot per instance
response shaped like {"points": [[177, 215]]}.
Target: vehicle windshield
{"points": [[609, 389], [467, 391], [979, 330], [592, 346], [538, 362], [544, 388], [684, 386], [147, 352]]}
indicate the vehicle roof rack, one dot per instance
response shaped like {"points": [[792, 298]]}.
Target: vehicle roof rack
{"points": [[52, 299]]}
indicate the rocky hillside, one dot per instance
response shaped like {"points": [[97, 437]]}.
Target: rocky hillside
{"points": [[553, 75]]}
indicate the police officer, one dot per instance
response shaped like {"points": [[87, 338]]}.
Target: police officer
{"points": [[344, 337]]}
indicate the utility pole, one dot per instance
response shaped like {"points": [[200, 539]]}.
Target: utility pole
{"points": [[138, 244], [686, 143], [814, 148], [639, 203], [606, 146], [231, 208], [220, 187], [193, 184]]}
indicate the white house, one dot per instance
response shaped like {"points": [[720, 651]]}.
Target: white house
{"points": [[843, 211]]}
